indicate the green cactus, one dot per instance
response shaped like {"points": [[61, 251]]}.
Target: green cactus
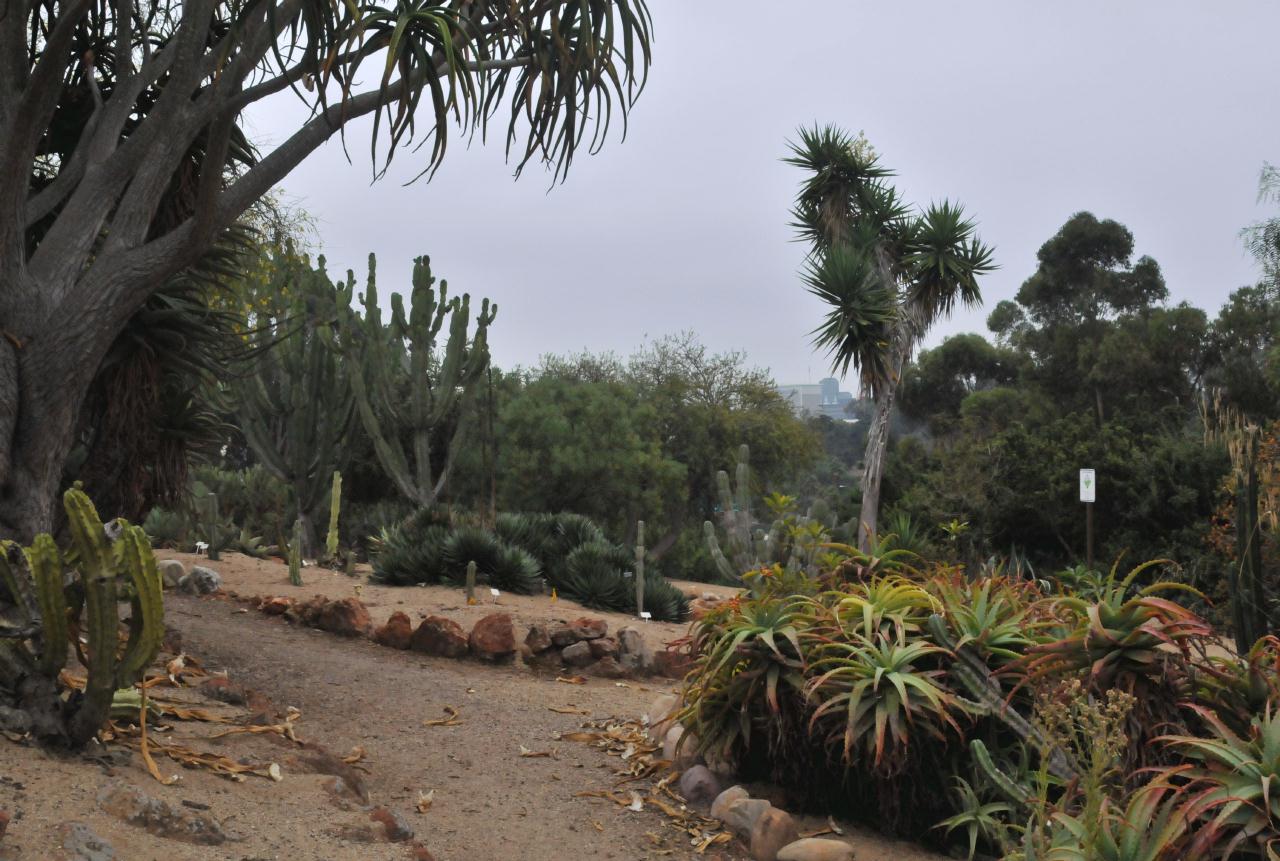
{"points": [[639, 572], [406, 353], [296, 406], [33, 655], [295, 553], [335, 501], [471, 582], [215, 531]]}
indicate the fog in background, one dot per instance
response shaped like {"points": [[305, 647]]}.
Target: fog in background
{"points": [[1156, 114]]}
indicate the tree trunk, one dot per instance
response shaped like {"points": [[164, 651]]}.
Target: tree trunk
{"points": [[878, 443]]}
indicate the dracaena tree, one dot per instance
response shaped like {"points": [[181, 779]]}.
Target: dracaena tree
{"points": [[887, 270], [122, 161]]}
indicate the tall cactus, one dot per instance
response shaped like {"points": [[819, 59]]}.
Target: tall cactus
{"points": [[296, 406], [33, 654], [335, 502], [295, 553], [441, 380]]}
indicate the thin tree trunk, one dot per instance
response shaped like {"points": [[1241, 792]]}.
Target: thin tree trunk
{"points": [[878, 441]]}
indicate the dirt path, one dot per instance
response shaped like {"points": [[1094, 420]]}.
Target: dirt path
{"points": [[490, 802]]}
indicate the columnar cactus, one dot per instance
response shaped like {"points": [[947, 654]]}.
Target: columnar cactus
{"points": [[335, 501], [296, 407], [295, 553], [441, 380], [33, 654]]}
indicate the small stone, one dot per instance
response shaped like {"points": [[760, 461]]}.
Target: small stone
{"points": [[816, 849], [576, 655], [740, 816], [562, 635], [341, 794], [420, 852], [587, 628], [633, 651], [538, 639], [606, 668], [441, 637], [773, 830], [398, 830], [660, 714], [603, 647], [682, 752], [4, 822], [699, 786], [276, 606], [79, 843], [171, 572], [720, 806], [200, 581], [494, 637], [132, 805], [396, 633]]}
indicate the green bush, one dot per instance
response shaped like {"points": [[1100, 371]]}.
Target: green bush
{"points": [[411, 556]]}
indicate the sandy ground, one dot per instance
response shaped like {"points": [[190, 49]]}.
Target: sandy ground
{"points": [[490, 803]]}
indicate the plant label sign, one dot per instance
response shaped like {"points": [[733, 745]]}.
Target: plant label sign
{"points": [[1088, 486]]}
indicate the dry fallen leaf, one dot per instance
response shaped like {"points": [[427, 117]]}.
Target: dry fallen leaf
{"points": [[595, 823], [530, 754], [621, 685], [425, 800], [357, 754], [572, 680], [637, 802], [570, 711], [450, 718]]}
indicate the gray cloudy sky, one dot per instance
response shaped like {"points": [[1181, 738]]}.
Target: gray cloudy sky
{"points": [[1156, 114]]}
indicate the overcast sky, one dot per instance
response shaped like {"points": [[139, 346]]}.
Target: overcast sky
{"points": [[1156, 114]]}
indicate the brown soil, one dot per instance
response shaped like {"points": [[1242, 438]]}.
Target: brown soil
{"points": [[490, 803]]}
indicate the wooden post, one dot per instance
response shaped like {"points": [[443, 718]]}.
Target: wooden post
{"points": [[639, 569], [1088, 532]]}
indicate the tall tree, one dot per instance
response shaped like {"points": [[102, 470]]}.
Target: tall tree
{"points": [[888, 271], [122, 161]]}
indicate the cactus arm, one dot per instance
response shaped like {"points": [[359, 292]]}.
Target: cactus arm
{"points": [[46, 569], [147, 625], [99, 576], [295, 554], [717, 555], [335, 502], [1002, 781]]}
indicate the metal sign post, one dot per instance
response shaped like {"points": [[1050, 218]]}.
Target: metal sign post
{"points": [[1088, 495]]}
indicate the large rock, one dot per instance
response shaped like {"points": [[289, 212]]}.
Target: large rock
{"points": [[699, 786], [347, 617], [587, 628], [132, 805], [720, 806], [562, 635], [740, 816], [773, 830], [660, 714], [539, 639], [680, 748], [441, 637], [633, 651], [603, 647], [171, 572], [577, 654], [200, 581], [816, 849], [396, 633], [276, 606], [606, 668], [494, 637]]}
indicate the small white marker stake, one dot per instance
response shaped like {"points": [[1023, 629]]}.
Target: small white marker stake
{"points": [[495, 593], [646, 615]]}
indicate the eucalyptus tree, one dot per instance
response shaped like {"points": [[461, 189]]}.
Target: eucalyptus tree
{"points": [[122, 160], [887, 270]]}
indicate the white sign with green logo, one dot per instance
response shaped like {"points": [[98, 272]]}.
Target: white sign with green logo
{"points": [[1088, 486]]}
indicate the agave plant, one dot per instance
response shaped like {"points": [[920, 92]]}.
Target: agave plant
{"points": [[876, 692], [1149, 828], [508, 568], [882, 603], [1233, 783], [991, 614], [881, 558], [981, 820], [1239, 689]]}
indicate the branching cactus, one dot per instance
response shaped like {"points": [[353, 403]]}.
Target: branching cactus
{"points": [[406, 355], [33, 654]]}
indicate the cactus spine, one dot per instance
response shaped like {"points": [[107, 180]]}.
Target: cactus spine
{"points": [[640, 568], [296, 407], [295, 554], [104, 555], [441, 382], [335, 500]]}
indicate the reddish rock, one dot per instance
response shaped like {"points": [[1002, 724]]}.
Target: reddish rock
{"points": [[441, 637], [672, 664], [397, 829], [538, 640], [421, 853], [4, 822], [589, 629], [346, 618], [773, 830], [396, 633], [494, 637], [275, 606], [562, 635], [306, 612], [604, 647]]}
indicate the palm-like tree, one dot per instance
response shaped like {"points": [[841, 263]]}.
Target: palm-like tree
{"points": [[887, 269]]}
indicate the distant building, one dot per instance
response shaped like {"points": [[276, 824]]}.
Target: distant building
{"points": [[822, 398]]}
